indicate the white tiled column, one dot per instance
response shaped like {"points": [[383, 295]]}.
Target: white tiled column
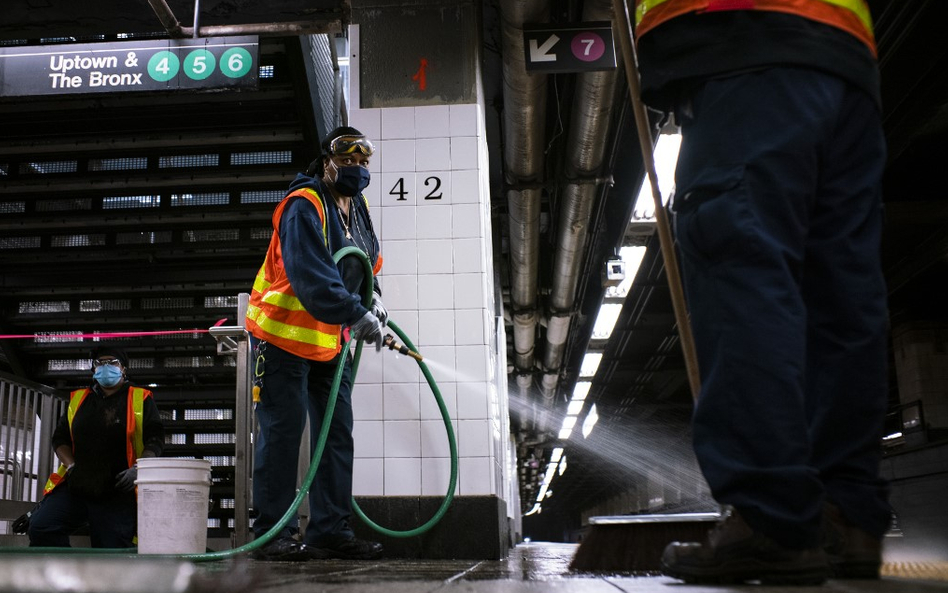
{"points": [[430, 204]]}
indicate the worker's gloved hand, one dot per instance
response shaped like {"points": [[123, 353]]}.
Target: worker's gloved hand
{"points": [[125, 480], [378, 309], [22, 523], [369, 328]]}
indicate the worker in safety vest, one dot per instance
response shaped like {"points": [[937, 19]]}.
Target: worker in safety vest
{"points": [[300, 304], [778, 216], [106, 429]]}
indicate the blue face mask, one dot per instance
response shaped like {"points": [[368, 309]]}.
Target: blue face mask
{"points": [[350, 181], [107, 375]]}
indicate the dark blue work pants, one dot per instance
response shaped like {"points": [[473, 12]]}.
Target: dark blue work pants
{"points": [[112, 521], [778, 218], [292, 387]]}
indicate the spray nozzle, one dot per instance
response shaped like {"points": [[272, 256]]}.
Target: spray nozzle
{"points": [[390, 342]]}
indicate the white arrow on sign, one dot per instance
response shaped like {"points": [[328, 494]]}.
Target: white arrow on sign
{"points": [[538, 53]]}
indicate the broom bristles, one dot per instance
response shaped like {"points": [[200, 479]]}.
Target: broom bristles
{"points": [[634, 546]]}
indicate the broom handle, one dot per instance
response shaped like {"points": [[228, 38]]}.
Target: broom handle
{"points": [[661, 217]]}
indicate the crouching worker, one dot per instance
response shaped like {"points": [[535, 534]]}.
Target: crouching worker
{"points": [[106, 428]]}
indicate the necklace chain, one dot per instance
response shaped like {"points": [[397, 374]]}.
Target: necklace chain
{"points": [[359, 241], [345, 225]]}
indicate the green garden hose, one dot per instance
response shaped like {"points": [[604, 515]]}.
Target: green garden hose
{"points": [[317, 455]]}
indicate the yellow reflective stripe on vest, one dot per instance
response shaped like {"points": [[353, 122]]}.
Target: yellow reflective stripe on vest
{"points": [[857, 7], [644, 6], [75, 399], [138, 406], [53, 482], [260, 283], [291, 332], [284, 301]]}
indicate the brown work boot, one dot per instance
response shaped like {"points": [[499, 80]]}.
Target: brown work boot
{"points": [[852, 552], [735, 553]]}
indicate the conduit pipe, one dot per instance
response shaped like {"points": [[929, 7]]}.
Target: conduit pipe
{"points": [[586, 146], [524, 122], [173, 26]]}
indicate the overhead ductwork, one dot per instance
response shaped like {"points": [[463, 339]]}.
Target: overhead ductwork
{"points": [[524, 122], [586, 147]]}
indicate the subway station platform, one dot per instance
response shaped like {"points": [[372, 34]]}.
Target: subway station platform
{"points": [[536, 567]]}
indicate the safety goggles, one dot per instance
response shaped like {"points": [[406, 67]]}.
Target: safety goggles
{"points": [[350, 144], [114, 362]]}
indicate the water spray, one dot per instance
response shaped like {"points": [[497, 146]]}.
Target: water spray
{"points": [[390, 342]]}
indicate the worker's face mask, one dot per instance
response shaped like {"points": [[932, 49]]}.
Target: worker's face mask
{"points": [[350, 181], [107, 375]]}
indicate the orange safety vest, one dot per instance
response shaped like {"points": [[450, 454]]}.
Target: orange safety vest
{"points": [[275, 314], [134, 444], [851, 16]]}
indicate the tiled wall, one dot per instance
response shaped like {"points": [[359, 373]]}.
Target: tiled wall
{"points": [[430, 206]]}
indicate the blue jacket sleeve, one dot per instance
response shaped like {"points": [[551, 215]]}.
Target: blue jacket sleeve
{"points": [[310, 268]]}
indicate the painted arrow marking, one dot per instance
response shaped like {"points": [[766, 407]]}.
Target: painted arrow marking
{"points": [[539, 53]]}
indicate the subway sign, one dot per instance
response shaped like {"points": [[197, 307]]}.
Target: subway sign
{"points": [[124, 66]]}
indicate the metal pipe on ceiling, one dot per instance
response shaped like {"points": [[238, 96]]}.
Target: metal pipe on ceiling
{"points": [[197, 18], [524, 122], [586, 146], [270, 29], [173, 26]]}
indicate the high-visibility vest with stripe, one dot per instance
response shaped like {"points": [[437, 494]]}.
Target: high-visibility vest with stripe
{"points": [[851, 16], [275, 314], [134, 442]]}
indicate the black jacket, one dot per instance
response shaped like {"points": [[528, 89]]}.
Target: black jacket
{"points": [[683, 52], [330, 292], [98, 440]]}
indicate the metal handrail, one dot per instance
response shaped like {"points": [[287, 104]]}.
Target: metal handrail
{"points": [[235, 341], [29, 414]]}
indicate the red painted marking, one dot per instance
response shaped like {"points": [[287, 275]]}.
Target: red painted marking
{"points": [[420, 75]]}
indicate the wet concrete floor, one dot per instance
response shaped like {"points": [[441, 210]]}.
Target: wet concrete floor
{"points": [[539, 567], [529, 568]]}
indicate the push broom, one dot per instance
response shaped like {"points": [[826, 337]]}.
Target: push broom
{"points": [[634, 543]]}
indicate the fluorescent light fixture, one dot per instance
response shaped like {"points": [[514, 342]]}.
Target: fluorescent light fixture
{"points": [[575, 407], [580, 391], [894, 435], [567, 429], [533, 511], [556, 454], [550, 472], [562, 466], [666, 160], [591, 419], [606, 320], [542, 494], [590, 364]]}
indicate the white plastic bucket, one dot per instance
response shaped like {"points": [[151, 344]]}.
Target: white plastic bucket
{"points": [[172, 505]]}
